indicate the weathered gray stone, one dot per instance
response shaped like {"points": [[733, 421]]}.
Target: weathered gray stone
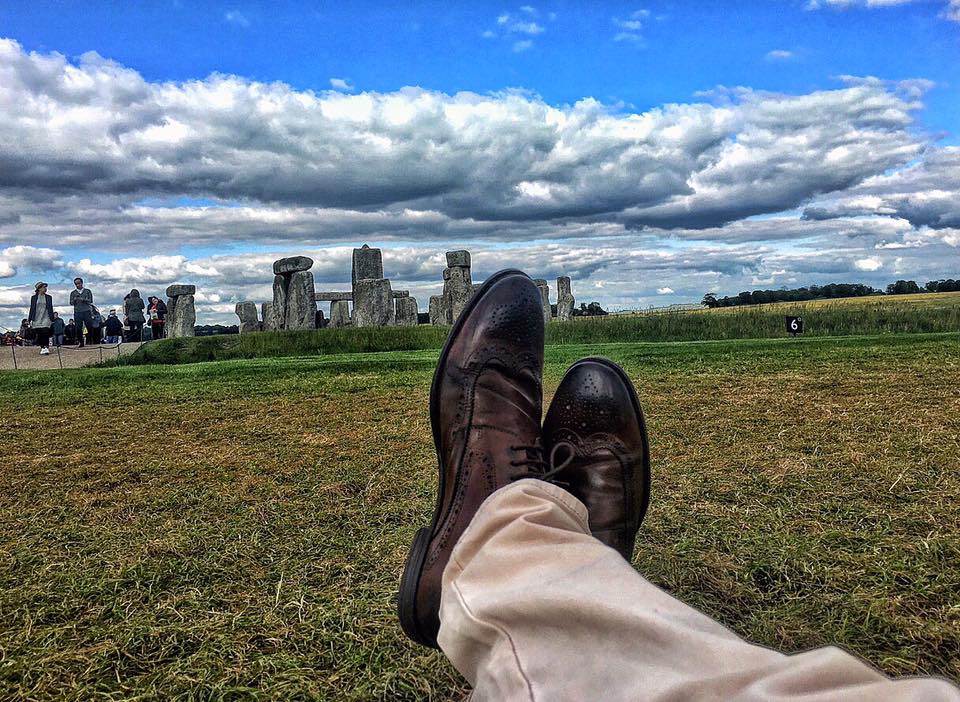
{"points": [[400, 293], [406, 311], [184, 316], [367, 265], [372, 303], [301, 309], [171, 313], [438, 315], [280, 284], [339, 314], [565, 299], [247, 312], [544, 289], [458, 259], [332, 296], [458, 289], [285, 266], [177, 290], [268, 320]]}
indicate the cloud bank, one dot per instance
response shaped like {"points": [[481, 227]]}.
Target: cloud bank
{"points": [[123, 180]]}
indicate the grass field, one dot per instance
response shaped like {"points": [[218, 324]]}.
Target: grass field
{"points": [[902, 314], [237, 529]]}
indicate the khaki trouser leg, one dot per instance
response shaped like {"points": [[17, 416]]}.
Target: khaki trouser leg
{"points": [[534, 608]]}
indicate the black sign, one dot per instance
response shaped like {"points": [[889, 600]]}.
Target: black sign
{"points": [[795, 325]]}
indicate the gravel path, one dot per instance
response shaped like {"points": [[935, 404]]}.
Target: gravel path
{"points": [[29, 358]]}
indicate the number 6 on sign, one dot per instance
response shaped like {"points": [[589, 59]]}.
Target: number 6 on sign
{"points": [[795, 325]]}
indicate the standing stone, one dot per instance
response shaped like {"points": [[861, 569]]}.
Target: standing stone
{"points": [[406, 312], [339, 314], [565, 300], [279, 301], [544, 289], [372, 303], [367, 265], [461, 290], [457, 286], [286, 266], [266, 314], [247, 312], [184, 317], [437, 316], [301, 307], [171, 315]]}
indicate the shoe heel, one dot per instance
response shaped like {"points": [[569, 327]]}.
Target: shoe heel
{"points": [[407, 599]]}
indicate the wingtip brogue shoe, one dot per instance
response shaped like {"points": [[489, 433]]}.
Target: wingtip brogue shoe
{"points": [[485, 408], [595, 424]]}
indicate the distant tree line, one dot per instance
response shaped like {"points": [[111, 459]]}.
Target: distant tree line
{"points": [[826, 292], [813, 292], [948, 285]]}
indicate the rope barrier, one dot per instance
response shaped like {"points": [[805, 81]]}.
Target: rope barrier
{"points": [[99, 348], [87, 347]]}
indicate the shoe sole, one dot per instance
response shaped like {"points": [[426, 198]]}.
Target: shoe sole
{"points": [[410, 581], [606, 362]]}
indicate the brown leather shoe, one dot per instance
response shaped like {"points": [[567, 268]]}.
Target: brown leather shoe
{"points": [[594, 425], [485, 407]]}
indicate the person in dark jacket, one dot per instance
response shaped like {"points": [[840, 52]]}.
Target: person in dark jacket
{"points": [[57, 329], [70, 333], [114, 328], [82, 301], [157, 311], [133, 311], [96, 326], [24, 335], [41, 317]]}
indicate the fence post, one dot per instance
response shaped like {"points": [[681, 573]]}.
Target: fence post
{"points": [[59, 358], [13, 350]]}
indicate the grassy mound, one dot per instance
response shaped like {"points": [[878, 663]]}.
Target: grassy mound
{"points": [[931, 314]]}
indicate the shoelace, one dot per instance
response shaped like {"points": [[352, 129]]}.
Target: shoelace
{"points": [[541, 468]]}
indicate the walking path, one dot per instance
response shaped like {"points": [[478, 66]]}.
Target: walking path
{"points": [[29, 358]]}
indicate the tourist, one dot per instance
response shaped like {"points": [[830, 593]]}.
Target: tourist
{"points": [[57, 329], [133, 312], [82, 301], [113, 328], [25, 334], [96, 326], [70, 333], [534, 528], [41, 317], [157, 312]]}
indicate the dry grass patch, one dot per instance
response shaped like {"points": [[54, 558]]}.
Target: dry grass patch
{"points": [[237, 529]]}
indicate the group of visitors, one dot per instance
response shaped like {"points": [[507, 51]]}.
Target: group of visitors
{"points": [[43, 326]]}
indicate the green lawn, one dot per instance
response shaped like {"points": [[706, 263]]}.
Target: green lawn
{"points": [[237, 529], [896, 314]]}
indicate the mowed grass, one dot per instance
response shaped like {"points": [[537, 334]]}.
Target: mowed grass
{"points": [[236, 530]]}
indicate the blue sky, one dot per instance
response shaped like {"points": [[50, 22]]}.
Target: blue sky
{"points": [[619, 127]]}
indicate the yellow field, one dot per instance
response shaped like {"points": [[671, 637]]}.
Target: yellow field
{"points": [[927, 300]]}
